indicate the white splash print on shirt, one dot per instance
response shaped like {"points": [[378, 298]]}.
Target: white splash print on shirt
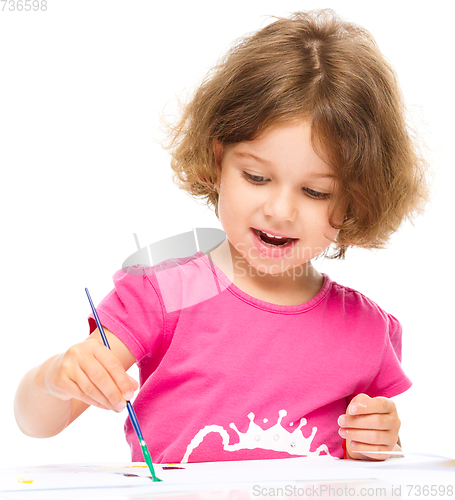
{"points": [[276, 438]]}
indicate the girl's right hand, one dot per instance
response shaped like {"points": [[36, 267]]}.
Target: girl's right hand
{"points": [[92, 373]]}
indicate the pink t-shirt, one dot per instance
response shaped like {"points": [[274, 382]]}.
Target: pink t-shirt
{"points": [[225, 376]]}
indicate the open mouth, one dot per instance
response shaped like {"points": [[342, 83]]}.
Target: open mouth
{"points": [[273, 241]]}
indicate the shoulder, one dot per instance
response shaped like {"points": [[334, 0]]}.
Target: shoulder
{"points": [[171, 268], [357, 316], [357, 305], [179, 283]]}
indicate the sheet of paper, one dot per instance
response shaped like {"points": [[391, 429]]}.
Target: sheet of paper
{"points": [[132, 481]]}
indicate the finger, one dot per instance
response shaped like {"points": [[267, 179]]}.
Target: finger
{"points": [[363, 404], [134, 383], [96, 383], [370, 436], [361, 450], [380, 421], [78, 393], [91, 394], [65, 385], [117, 373]]}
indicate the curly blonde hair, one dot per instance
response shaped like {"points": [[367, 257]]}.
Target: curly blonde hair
{"points": [[315, 66]]}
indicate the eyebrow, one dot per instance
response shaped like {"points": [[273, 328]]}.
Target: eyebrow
{"points": [[316, 175], [249, 155]]}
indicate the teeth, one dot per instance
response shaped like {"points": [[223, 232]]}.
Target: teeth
{"points": [[272, 236]]}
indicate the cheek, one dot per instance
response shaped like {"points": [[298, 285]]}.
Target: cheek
{"points": [[317, 222], [228, 206], [316, 215], [233, 197]]}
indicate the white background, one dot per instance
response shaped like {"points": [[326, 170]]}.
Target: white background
{"points": [[82, 87]]}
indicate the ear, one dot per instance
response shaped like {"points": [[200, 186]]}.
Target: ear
{"points": [[218, 151]]}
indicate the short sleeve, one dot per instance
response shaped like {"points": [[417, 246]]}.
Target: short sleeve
{"points": [[390, 379], [133, 312]]}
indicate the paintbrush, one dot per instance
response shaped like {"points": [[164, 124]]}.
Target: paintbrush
{"points": [[129, 406]]}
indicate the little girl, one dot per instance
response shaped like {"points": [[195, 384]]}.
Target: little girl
{"points": [[298, 140]]}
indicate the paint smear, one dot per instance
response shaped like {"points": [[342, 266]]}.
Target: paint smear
{"points": [[132, 475], [171, 468], [25, 481]]}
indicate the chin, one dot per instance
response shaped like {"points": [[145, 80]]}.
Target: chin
{"points": [[278, 268]]}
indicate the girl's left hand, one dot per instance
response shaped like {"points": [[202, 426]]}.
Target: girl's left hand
{"points": [[370, 424]]}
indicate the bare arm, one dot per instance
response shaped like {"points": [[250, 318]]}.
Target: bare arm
{"points": [[55, 393]]}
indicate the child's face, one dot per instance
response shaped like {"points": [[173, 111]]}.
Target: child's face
{"points": [[279, 185]]}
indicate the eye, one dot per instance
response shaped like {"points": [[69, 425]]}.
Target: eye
{"points": [[255, 179], [316, 194]]}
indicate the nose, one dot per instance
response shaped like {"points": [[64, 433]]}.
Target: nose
{"points": [[281, 206]]}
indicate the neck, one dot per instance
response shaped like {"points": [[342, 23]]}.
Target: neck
{"points": [[292, 286]]}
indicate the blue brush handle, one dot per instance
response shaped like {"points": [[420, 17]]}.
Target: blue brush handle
{"points": [[134, 421], [129, 406], [97, 320]]}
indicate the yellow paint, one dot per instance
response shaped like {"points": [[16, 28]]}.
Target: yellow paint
{"points": [[25, 481]]}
